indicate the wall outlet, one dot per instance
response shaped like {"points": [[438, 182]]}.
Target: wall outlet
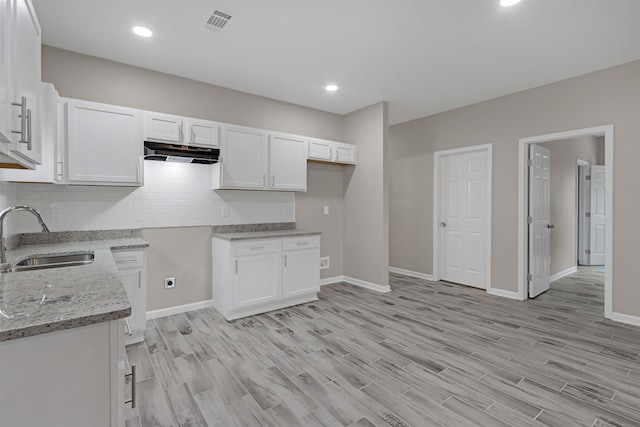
{"points": [[170, 283], [324, 263], [326, 210]]}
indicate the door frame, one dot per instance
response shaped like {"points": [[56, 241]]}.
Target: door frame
{"points": [[437, 170], [523, 238]]}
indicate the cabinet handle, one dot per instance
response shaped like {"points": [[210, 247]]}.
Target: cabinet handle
{"points": [[257, 248], [302, 243], [236, 266], [273, 180], [28, 141], [133, 387], [263, 176], [23, 119], [285, 260], [180, 132], [139, 279], [127, 326], [330, 153], [193, 134]]}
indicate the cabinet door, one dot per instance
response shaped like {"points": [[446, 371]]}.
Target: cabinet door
{"points": [[244, 160], [345, 153], [320, 149], [300, 272], [255, 279], [203, 133], [6, 94], [287, 163], [163, 127], [104, 144], [26, 78], [132, 281]]}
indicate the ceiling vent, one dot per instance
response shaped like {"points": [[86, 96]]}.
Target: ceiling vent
{"points": [[218, 20]]}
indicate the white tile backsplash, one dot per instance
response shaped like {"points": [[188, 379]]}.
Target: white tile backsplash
{"points": [[173, 195]]}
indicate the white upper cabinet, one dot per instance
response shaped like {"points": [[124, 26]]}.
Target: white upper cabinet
{"points": [[181, 130], [243, 159], [251, 159], [20, 77], [332, 151], [345, 153], [104, 144], [287, 162]]}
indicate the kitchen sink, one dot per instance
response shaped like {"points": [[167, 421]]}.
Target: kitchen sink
{"points": [[53, 261]]}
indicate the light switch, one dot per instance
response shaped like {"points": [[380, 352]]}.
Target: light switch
{"points": [[326, 210]]}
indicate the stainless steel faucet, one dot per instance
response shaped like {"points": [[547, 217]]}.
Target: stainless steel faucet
{"points": [[3, 249]]}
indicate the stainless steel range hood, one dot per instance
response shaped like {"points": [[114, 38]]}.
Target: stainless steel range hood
{"points": [[180, 153]]}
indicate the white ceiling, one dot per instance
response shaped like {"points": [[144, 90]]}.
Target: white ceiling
{"points": [[424, 57]]}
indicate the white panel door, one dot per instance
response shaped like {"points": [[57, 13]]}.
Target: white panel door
{"points": [[256, 279], [300, 272], [104, 144], [163, 127], [243, 158], [598, 215], [287, 162], [539, 214], [464, 198]]}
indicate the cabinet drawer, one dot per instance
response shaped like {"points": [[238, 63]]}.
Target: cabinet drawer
{"points": [[128, 259], [254, 247], [294, 243]]}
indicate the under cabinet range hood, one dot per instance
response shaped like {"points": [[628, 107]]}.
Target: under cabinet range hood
{"points": [[180, 153]]}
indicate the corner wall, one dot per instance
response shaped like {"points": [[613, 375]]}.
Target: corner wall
{"points": [[366, 198]]}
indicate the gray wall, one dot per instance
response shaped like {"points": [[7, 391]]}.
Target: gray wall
{"points": [[172, 250], [610, 96], [366, 191], [324, 188], [564, 215]]}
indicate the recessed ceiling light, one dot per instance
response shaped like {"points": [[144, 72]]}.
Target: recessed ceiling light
{"points": [[142, 31], [331, 88], [506, 3]]}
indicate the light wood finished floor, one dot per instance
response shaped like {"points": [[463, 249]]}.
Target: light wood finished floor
{"points": [[426, 354]]}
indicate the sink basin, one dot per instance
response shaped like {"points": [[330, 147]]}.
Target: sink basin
{"points": [[55, 261]]}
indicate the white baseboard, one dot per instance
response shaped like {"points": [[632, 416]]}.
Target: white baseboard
{"points": [[169, 311], [625, 318], [331, 280], [411, 273], [503, 293], [563, 273], [368, 285]]}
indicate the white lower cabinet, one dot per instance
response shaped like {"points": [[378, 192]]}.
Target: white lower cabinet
{"points": [[256, 276], [70, 378], [132, 272]]}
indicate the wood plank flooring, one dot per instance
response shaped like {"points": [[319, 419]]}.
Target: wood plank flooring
{"points": [[425, 354]]}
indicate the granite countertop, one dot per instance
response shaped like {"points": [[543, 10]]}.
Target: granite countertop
{"points": [[268, 234], [78, 296]]}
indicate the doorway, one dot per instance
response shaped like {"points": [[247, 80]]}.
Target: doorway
{"points": [[523, 206], [462, 216]]}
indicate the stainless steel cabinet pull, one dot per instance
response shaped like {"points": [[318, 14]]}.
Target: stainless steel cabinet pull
{"points": [[180, 136], [236, 266], [330, 153], [28, 141], [257, 248], [273, 180], [133, 387], [127, 326], [193, 134], [302, 243], [263, 176], [285, 260], [139, 279], [23, 119]]}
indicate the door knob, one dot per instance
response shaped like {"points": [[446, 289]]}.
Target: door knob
{"points": [[443, 224], [551, 226]]}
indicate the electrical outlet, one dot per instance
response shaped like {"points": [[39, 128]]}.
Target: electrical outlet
{"points": [[324, 263], [170, 283], [326, 210]]}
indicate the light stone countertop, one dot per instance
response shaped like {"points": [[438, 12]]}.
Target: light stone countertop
{"points": [[269, 234], [78, 296]]}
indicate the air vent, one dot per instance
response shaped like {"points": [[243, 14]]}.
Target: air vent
{"points": [[218, 20]]}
